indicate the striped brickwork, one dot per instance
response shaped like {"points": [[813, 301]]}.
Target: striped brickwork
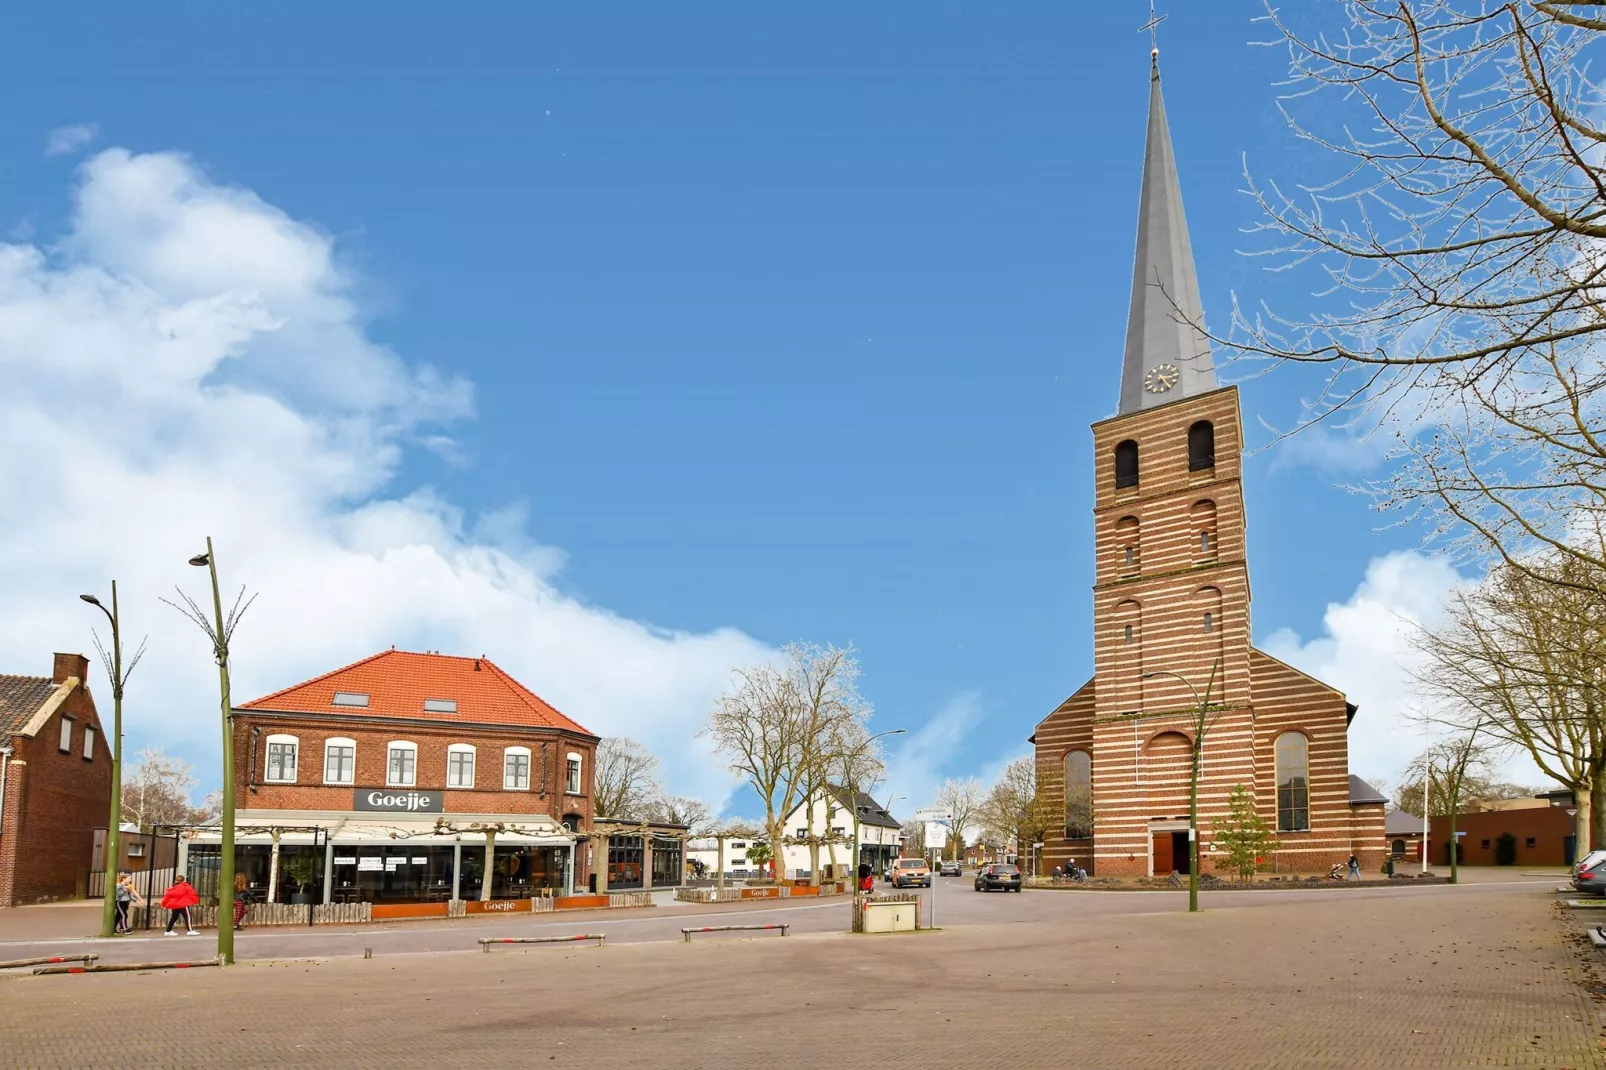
{"points": [[1171, 593]]}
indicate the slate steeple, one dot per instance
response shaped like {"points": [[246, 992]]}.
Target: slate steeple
{"points": [[1167, 356]]}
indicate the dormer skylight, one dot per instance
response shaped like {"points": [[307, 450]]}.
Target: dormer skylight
{"points": [[351, 698], [440, 705]]}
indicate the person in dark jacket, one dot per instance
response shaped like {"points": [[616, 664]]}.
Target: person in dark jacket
{"points": [[178, 900]]}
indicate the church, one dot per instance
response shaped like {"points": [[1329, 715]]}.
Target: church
{"points": [[1171, 615]]}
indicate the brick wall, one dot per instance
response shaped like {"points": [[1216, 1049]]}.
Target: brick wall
{"points": [[55, 799], [546, 794]]}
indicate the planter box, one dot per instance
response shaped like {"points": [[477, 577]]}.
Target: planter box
{"points": [[383, 911], [580, 902], [771, 892], [497, 906], [803, 889]]}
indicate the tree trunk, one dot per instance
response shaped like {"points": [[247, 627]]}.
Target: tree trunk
{"points": [[273, 871], [490, 859], [1595, 804], [719, 878]]}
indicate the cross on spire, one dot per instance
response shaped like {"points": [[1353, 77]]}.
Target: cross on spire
{"points": [[1153, 26]]}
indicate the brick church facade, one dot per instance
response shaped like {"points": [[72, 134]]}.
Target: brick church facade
{"points": [[1171, 615]]}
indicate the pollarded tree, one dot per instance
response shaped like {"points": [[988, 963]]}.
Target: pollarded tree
{"points": [[1243, 837]]}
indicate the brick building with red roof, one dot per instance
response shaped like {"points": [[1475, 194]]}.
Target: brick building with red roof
{"points": [[412, 778]]}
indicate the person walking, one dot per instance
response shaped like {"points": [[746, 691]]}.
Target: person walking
{"points": [[177, 901], [241, 903], [125, 898], [1354, 868]]}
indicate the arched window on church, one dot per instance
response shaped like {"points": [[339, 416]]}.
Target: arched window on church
{"points": [[1078, 795], [1126, 538], [1209, 621], [1203, 517], [1126, 464], [1127, 633], [1293, 782], [1201, 446]]}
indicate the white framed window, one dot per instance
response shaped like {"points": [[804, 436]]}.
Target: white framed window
{"points": [[571, 779], [66, 734], [339, 761], [516, 769], [89, 742], [460, 766], [281, 764], [401, 767]]}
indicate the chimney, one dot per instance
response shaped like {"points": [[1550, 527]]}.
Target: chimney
{"points": [[70, 665]]}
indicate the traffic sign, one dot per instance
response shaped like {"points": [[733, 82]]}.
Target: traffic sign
{"points": [[934, 814]]}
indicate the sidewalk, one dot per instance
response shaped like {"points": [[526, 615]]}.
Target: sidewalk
{"points": [[51, 921]]}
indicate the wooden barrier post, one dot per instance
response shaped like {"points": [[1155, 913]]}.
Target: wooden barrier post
{"points": [[730, 929], [485, 944]]}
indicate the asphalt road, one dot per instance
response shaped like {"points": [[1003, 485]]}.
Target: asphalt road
{"points": [[956, 903]]}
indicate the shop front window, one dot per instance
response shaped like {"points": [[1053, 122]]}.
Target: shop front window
{"points": [[625, 862], [396, 874]]}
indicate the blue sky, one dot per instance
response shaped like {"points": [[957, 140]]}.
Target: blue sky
{"points": [[785, 322]]}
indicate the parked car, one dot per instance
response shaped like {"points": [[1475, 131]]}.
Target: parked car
{"points": [[909, 872], [951, 868], [1589, 875], [998, 875]]}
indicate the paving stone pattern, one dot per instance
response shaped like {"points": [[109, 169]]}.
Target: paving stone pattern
{"points": [[1473, 977]]}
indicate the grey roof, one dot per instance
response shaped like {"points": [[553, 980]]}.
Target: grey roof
{"points": [[20, 699], [1400, 823], [1361, 793], [870, 811], [1163, 324]]}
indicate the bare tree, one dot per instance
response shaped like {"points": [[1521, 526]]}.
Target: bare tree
{"points": [[625, 779], [156, 790], [683, 810], [1456, 256], [782, 726], [963, 799], [1523, 653], [1014, 808]]}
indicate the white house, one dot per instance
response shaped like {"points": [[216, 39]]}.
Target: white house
{"points": [[706, 852], [829, 816]]}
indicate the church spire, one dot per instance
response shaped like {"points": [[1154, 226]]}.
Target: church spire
{"points": [[1167, 357]]}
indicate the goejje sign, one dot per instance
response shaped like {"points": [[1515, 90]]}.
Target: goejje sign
{"points": [[429, 802]]}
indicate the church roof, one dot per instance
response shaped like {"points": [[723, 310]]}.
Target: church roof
{"points": [[1163, 325]]}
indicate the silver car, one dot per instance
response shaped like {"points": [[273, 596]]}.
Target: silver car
{"points": [[1589, 875]]}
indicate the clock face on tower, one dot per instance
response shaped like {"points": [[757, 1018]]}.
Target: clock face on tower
{"points": [[1161, 377]]}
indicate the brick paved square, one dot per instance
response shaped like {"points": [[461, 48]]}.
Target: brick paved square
{"points": [[1472, 976]]}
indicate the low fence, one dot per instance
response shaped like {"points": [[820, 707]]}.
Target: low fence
{"points": [[759, 891], [285, 914]]}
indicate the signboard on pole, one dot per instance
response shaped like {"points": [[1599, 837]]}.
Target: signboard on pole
{"points": [[936, 835], [934, 814]]}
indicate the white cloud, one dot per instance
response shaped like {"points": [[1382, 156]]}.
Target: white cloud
{"points": [[1365, 652], [190, 361], [68, 139], [914, 768]]}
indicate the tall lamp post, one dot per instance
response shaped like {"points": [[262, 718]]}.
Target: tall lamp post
{"points": [[114, 669], [225, 878], [853, 793], [1199, 726]]}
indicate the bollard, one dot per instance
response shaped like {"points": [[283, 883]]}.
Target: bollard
{"points": [[485, 944], [688, 932], [367, 952]]}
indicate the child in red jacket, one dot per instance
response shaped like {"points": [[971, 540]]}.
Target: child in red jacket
{"points": [[177, 901]]}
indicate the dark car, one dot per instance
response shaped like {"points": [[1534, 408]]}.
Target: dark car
{"points": [[951, 868], [998, 875], [1589, 875]]}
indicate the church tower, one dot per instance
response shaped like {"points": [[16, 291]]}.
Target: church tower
{"points": [[1171, 609]]}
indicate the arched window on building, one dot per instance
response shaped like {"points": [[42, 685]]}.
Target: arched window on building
{"points": [[1209, 621], [1126, 541], [1397, 847], [1293, 782], [281, 761], [1201, 446], [1078, 795], [1126, 464]]}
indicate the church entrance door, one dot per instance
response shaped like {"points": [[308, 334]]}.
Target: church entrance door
{"points": [[1162, 854]]}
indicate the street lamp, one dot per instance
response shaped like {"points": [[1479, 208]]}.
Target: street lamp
{"points": [[114, 669], [1199, 727], [220, 650], [850, 767]]}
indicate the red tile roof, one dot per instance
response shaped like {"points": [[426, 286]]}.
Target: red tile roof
{"points": [[398, 681]]}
